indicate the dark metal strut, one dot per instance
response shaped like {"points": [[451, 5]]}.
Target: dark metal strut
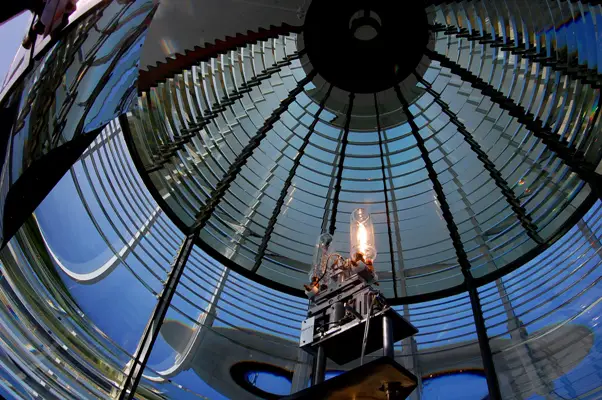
{"points": [[571, 157], [151, 332], [168, 150], [337, 187], [222, 187], [486, 355], [386, 192], [287, 184], [513, 201], [556, 60]]}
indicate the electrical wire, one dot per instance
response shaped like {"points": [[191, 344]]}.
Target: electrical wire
{"points": [[366, 328], [326, 265]]}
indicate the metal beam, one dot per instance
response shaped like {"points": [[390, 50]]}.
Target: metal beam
{"points": [[396, 223], [151, 332], [385, 191], [337, 187], [485, 348], [328, 197], [486, 355], [513, 321], [513, 201], [168, 150], [554, 59], [222, 187], [207, 318], [287, 184], [570, 156], [438, 188]]}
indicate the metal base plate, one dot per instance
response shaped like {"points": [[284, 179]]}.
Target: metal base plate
{"points": [[364, 382]]}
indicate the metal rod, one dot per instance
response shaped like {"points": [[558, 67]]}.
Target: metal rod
{"points": [[337, 187], [224, 184], [388, 348], [386, 193], [486, 355], [437, 187], [511, 199], [515, 45], [573, 158], [319, 367], [168, 150], [494, 389], [333, 177], [151, 332], [287, 184]]}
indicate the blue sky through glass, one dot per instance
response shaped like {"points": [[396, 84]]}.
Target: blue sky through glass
{"points": [[11, 35]]}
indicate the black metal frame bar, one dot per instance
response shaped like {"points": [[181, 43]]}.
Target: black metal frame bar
{"points": [[222, 187], [287, 184], [513, 201], [486, 355], [555, 60], [433, 176], [168, 150], [337, 187], [319, 367], [386, 192], [151, 332], [573, 158], [328, 197]]}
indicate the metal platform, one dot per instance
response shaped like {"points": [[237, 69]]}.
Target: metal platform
{"points": [[364, 382]]}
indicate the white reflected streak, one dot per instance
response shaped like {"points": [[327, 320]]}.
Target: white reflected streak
{"points": [[105, 270]]}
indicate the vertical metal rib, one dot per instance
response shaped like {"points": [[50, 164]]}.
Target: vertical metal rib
{"points": [[333, 177], [571, 157], [445, 210], [337, 187], [222, 187], [287, 184], [151, 332], [519, 210], [486, 355], [168, 150], [385, 191]]}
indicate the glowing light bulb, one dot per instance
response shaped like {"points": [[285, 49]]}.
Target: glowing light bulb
{"points": [[362, 235]]}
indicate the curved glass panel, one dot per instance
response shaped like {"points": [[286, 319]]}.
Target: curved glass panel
{"points": [[173, 235], [265, 158], [542, 319]]}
